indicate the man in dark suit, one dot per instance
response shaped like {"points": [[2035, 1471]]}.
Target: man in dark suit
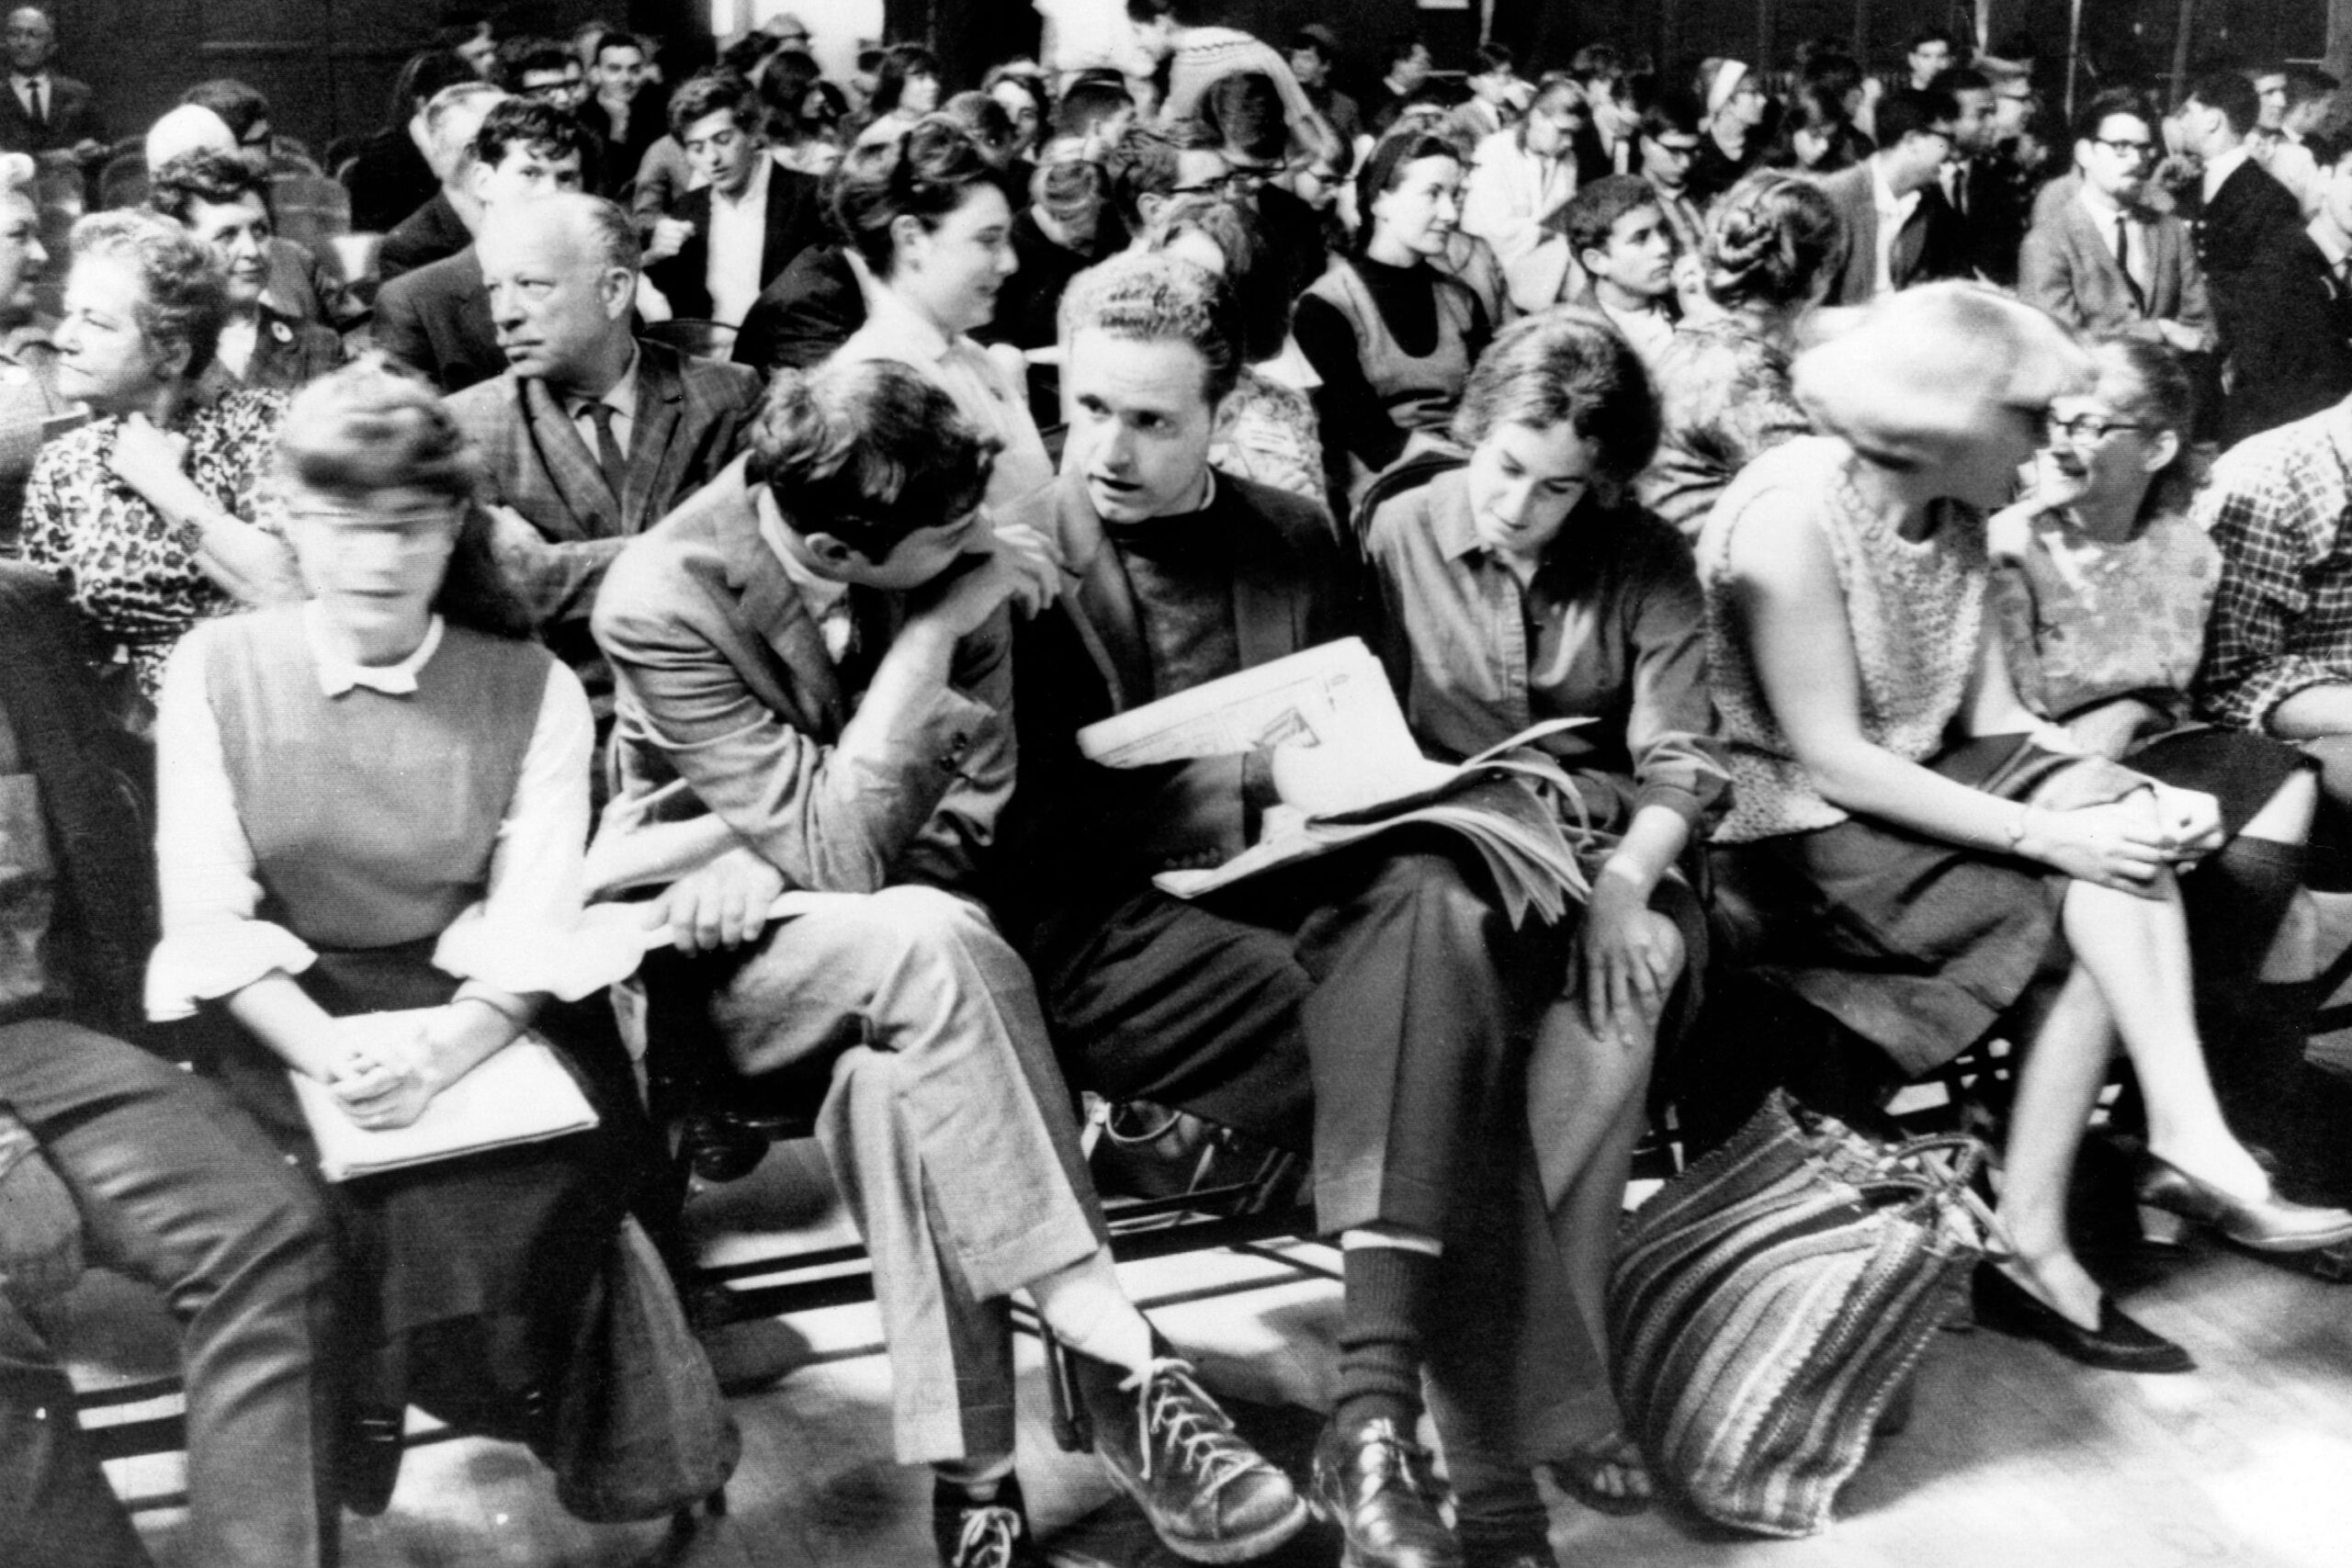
{"points": [[590, 436], [1986, 201], [444, 225], [41, 111], [623, 113], [1367, 996], [437, 320], [735, 235], [2269, 281], [797, 321], [1899, 229]]}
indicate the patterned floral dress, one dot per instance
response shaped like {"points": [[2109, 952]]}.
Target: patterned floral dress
{"points": [[1724, 401], [131, 572]]}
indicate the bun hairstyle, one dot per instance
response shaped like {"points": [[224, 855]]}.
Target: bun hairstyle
{"points": [[925, 174], [1770, 240]]}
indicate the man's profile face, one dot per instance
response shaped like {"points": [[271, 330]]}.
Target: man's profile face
{"points": [[32, 41], [551, 299], [918, 557], [1640, 255], [1140, 424], [1979, 121]]}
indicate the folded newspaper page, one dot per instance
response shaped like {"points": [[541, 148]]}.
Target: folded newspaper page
{"points": [[1333, 693]]}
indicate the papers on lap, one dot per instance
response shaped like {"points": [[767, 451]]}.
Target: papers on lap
{"points": [[1507, 801], [522, 1095]]}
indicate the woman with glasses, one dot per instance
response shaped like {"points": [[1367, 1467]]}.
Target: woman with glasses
{"points": [[1734, 142], [1909, 848], [1392, 335], [371, 816]]}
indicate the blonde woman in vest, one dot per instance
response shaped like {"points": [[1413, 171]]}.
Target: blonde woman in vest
{"points": [[1913, 887], [373, 802], [1391, 335]]}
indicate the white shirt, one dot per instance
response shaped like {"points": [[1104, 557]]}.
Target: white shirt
{"points": [[1893, 211], [1088, 33], [738, 251], [2222, 168], [2142, 233], [525, 935], [24, 86], [962, 369], [1507, 195], [825, 599], [621, 398]]}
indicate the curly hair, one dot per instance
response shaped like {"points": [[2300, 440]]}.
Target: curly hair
{"points": [[367, 428], [183, 293], [1152, 297], [1567, 367], [720, 91], [2147, 383], [1770, 240], [924, 175], [209, 175], [1251, 270], [1589, 217], [867, 451]]}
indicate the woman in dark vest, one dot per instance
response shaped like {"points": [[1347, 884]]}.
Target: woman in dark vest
{"points": [[375, 802]]}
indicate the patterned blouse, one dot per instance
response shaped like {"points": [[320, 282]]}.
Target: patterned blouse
{"points": [[2088, 622], [132, 574], [1271, 436], [1724, 401]]}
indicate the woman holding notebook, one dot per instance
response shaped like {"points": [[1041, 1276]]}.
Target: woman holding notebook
{"points": [[371, 818]]}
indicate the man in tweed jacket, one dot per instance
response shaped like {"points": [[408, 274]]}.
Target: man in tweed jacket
{"points": [[592, 435]]}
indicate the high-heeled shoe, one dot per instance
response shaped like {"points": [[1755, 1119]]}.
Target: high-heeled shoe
{"points": [[2270, 1224], [2119, 1344]]}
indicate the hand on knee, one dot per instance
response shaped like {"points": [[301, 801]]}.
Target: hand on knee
{"points": [[1628, 959]]}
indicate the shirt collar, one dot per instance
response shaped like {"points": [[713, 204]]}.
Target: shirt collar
{"points": [[755, 194], [2330, 244], [1450, 523], [620, 397], [17, 80], [2220, 168], [1883, 193], [338, 674]]}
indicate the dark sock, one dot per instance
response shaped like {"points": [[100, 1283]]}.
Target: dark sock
{"points": [[1380, 1334]]}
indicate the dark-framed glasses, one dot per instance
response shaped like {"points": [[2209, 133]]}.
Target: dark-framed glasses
{"points": [[2086, 428]]}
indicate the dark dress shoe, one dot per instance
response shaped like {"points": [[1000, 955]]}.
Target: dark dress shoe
{"points": [[2117, 1344], [1374, 1483], [367, 1460], [2266, 1224], [994, 1534]]}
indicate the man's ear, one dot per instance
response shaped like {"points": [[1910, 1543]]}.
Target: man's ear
{"points": [[617, 288], [1585, 259], [477, 178], [830, 552]]}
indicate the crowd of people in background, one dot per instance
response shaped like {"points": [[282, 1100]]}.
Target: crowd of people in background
{"points": [[626, 478]]}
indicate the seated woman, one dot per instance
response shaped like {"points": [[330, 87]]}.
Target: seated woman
{"points": [[1734, 144], [1392, 336], [222, 199], [1908, 848], [1527, 585], [906, 88], [1266, 431], [378, 801], [148, 514], [28, 394], [1773, 247], [2104, 606]]}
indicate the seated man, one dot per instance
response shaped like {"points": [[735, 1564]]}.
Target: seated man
{"points": [[797, 320], [110, 1152], [437, 320], [1386, 981], [734, 235], [1899, 229], [592, 435], [815, 685], [446, 224], [1619, 234], [1520, 177]]}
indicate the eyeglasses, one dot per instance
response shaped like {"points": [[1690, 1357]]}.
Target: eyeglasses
{"points": [[2137, 151], [2086, 428], [1233, 182]]}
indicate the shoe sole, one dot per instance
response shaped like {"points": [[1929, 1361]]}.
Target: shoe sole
{"points": [[2319, 1243], [1242, 1548], [1347, 1557]]}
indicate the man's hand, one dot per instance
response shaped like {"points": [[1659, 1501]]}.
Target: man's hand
{"points": [[670, 237], [1016, 565], [722, 903], [40, 1232], [2188, 340]]}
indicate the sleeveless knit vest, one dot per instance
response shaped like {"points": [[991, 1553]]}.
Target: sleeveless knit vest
{"points": [[1420, 394], [1915, 611], [372, 817]]}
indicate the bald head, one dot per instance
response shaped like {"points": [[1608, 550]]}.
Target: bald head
{"points": [[561, 288], [188, 129]]}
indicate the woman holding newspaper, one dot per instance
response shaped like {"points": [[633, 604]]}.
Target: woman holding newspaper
{"points": [[372, 808], [1525, 585]]}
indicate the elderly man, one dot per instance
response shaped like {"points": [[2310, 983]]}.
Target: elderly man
{"points": [[42, 111], [444, 225], [590, 436], [1372, 994], [736, 233], [815, 688], [110, 1153], [436, 320]]}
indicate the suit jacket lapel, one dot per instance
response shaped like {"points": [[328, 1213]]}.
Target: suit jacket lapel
{"points": [[1267, 616], [1096, 599], [654, 448], [771, 609], [570, 468]]}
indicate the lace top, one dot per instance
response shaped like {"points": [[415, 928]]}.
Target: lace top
{"points": [[1915, 611]]}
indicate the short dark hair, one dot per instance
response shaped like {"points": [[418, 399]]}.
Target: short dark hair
{"points": [[718, 91], [1675, 113], [1834, 72], [520, 57], [1146, 12], [1958, 79], [2108, 103], [984, 122], [425, 73], [526, 122], [1382, 170], [2331, 139], [1926, 36], [2232, 93], [1309, 42], [616, 38], [1497, 56], [241, 107], [1403, 47], [900, 61], [1909, 111], [1148, 297], [1567, 367], [1251, 269], [1589, 217], [1598, 62], [868, 451], [1141, 164], [924, 175], [1089, 101], [206, 175], [2305, 83], [1244, 110]]}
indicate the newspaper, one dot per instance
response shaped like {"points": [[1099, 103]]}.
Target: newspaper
{"points": [[1333, 693]]}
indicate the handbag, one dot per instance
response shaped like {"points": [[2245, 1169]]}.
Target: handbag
{"points": [[1767, 1303], [642, 1428]]}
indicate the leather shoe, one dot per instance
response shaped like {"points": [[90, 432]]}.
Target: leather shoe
{"points": [[2266, 1224], [1375, 1483], [994, 1534], [2119, 1343]]}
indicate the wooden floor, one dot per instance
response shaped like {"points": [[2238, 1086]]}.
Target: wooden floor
{"points": [[2015, 1458]]}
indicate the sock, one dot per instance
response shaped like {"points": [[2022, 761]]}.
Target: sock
{"points": [[978, 1479], [2236, 902], [1085, 1307], [1386, 1287]]}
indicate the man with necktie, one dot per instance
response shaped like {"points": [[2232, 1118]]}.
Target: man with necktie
{"points": [[42, 111]]}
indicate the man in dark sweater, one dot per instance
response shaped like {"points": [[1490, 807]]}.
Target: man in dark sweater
{"points": [[1362, 1002]]}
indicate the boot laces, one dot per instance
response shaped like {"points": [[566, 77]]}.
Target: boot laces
{"points": [[988, 1536], [1177, 1409]]}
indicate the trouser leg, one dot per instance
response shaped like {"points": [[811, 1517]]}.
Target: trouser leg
{"points": [[56, 1509], [947, 1126], [178, 1188]]}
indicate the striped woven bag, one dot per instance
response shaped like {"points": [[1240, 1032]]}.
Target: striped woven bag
{"points": [[1767, 1303]]}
